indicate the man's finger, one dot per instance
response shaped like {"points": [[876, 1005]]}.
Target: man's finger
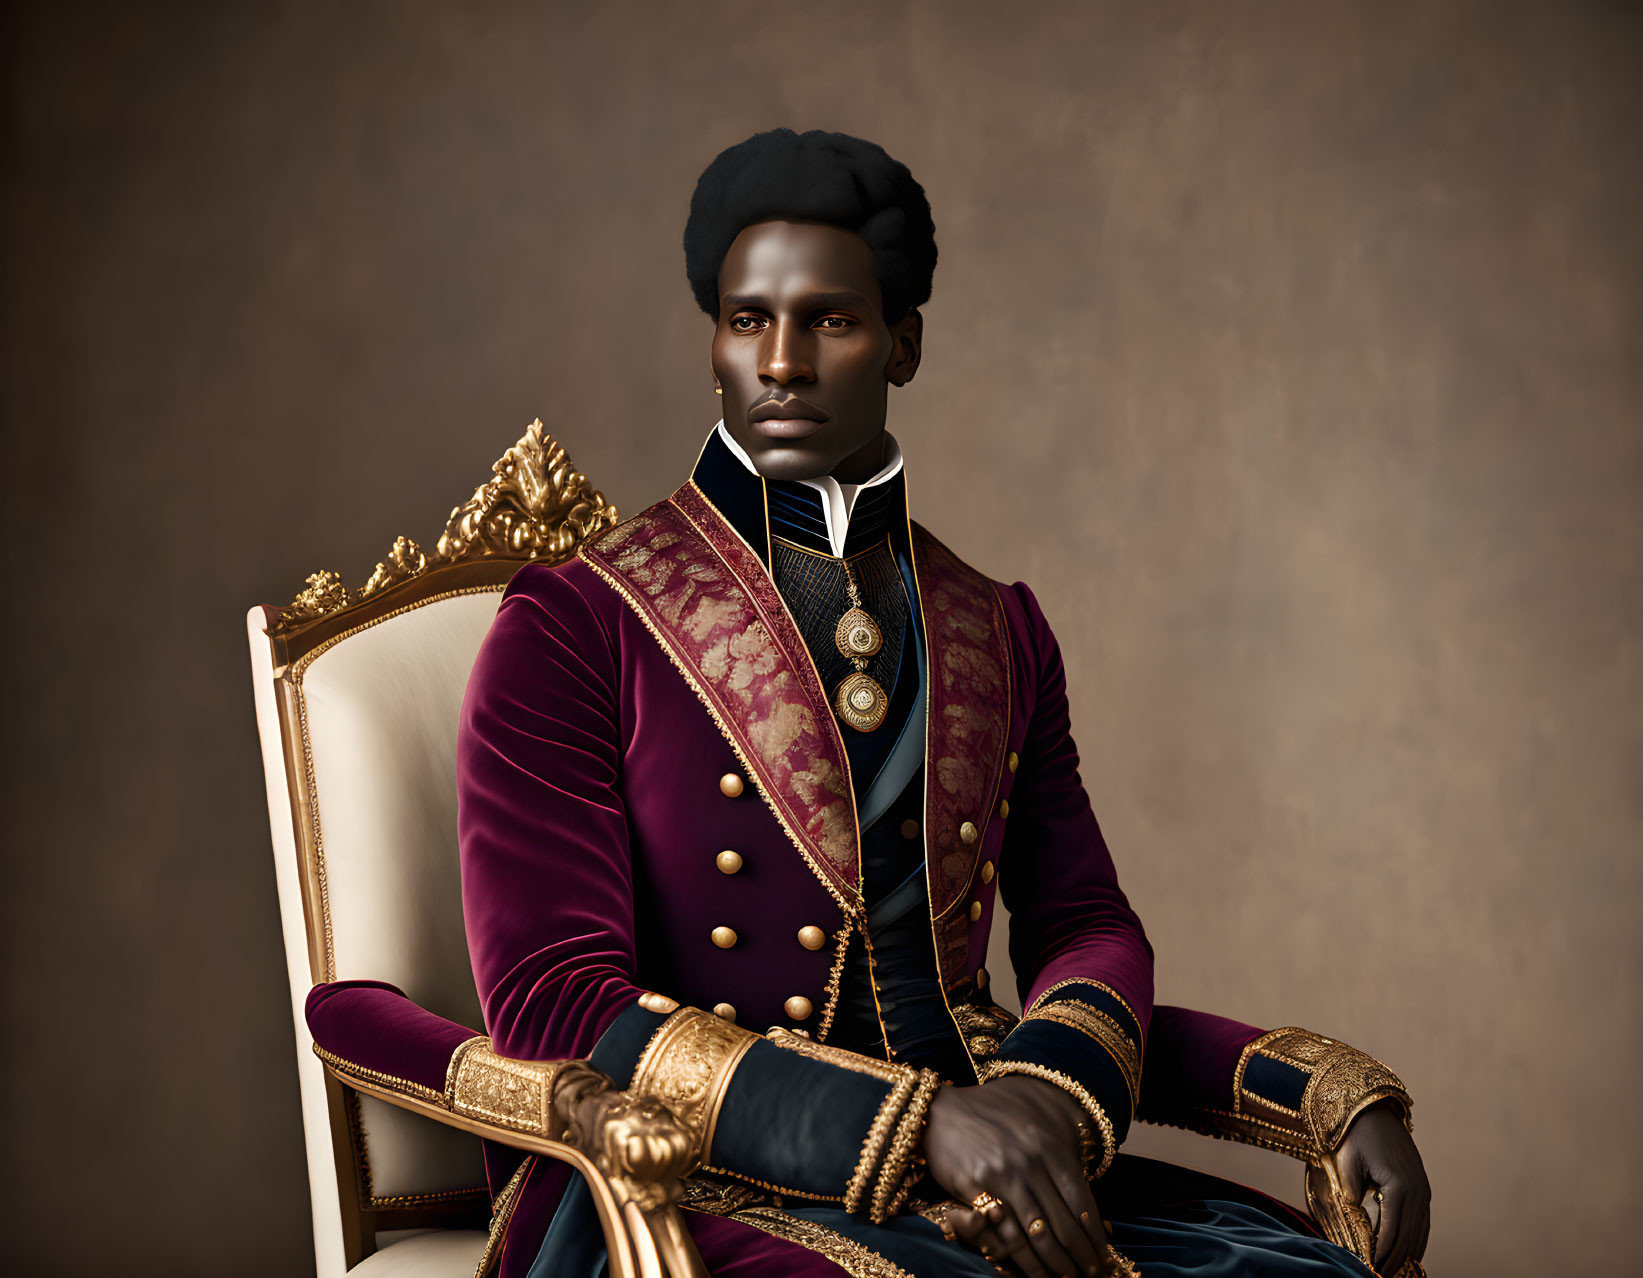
{"points": [[1063, 1216], [966, 1224], [1075, 1191], [1030, 1208], [1391, 1249], [971, 1228], [1025, 1250]]}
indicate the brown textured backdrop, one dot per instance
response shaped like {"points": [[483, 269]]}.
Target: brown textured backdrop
{"points": [[1290, 351]]}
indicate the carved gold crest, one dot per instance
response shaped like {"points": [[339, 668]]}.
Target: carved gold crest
{"points": [[535, 506]]}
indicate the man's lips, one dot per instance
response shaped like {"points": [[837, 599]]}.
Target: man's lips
{"points": [[787, 427]]}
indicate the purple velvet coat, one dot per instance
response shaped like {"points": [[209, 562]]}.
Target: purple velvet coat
{"points": [[649, 704]]}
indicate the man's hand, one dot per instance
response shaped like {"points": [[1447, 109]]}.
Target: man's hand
{"points": [[1378, 1151], [1017, 1139]]}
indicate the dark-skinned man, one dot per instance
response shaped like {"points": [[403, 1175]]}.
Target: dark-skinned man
{"points": [[740, 788]]}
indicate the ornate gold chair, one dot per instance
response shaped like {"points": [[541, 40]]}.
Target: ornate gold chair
{"points": [[357, 697]]}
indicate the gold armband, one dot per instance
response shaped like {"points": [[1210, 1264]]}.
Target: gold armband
{"points": [[1109, 1142], [687, 1066]]}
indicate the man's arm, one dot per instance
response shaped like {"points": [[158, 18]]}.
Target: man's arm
{"points": [[1084, 970], [1082, 959]]}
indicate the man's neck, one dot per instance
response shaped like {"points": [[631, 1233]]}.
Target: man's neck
{"points": [[838, 499], [864, 463]]}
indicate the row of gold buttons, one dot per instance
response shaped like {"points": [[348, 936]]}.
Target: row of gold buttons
{"points": [[969, 834], [811, 937]]}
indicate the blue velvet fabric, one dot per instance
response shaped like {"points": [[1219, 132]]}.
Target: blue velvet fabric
{"points": [[793, 1121], [1168, 1220], [1276, 1081]]}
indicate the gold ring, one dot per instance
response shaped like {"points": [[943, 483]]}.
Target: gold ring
{"points": [[1377, 1195], [1036, 1226], [983, 1202]]}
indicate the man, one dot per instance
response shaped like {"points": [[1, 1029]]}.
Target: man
{"points": [[762, 755]]}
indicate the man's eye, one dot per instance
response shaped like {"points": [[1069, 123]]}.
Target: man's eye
{"points": [[838, 321], [736, 322]]}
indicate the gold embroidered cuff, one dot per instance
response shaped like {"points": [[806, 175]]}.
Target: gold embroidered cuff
{"points": [[1092, 1107], [1311, 1088], [687, 1066]]}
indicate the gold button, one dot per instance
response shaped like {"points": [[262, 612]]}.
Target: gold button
{"points": [[909, 829], [812, 937], [986, 871], [975, 911], [725, 1010], [798, 1007], [1014, 761], [730, 785], [728, 862], [1003, 807], [653, 1002], [981, 978], [968, 832], [724, 937]]}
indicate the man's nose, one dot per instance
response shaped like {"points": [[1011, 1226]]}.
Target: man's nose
{"points": [[785, 355]]}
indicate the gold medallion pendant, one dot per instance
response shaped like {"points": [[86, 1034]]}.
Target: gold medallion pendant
{"points": [[858, 634], [860, 701]]}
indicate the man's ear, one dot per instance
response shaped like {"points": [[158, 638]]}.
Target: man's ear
{"points": [[907, 334]]}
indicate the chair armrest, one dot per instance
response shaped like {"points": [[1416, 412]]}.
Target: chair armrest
{"points": [[632, 1152], [1285, 1089]]}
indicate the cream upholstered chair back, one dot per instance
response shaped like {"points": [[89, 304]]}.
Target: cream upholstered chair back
{"points": [[357, 698]]}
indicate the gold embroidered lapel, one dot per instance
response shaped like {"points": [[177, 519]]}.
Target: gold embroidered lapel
{"points": [[715, 611]]}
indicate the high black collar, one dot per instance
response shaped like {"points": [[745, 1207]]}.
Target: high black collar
{"points": [[760, 508]]}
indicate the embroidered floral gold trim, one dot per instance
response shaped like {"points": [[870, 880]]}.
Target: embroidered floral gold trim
{"points": [[1075, 1089]]}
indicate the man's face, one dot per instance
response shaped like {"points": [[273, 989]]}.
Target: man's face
{"points": [[803, 353]]}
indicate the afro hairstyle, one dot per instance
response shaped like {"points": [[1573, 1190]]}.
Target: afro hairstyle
{"points": [[816, 176]]}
